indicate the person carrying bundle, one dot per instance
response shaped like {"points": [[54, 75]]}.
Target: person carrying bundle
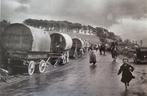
{"points": [[92, 58]]}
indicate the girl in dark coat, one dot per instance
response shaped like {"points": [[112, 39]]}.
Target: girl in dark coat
{"points": [[126, 71]]}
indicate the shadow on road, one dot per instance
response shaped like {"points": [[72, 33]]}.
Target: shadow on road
{"points": [[125, 93], [92, 69]]}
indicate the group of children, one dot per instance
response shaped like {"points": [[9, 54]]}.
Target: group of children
{"points": [[125, 69]]}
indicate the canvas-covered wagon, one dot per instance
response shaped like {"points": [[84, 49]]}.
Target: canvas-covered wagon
{"points": [[61, 43], [26, 47], [77, 47]]}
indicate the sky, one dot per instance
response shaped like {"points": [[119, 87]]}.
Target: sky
{"points": [[127, 18]]}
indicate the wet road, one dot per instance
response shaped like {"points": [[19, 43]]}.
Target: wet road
{"points": [[79, 78]]}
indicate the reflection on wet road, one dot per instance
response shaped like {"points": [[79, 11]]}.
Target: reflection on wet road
{"points": [[76, 79]]}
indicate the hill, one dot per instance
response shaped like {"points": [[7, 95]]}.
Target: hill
{"points": [[70, 28]]}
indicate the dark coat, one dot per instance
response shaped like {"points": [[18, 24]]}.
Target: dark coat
{"points": [[114, 51], [126, 71]]}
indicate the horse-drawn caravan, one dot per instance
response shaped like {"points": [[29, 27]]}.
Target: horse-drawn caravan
{"points": [[61, 43], [77, 47], [26, 47], [32, 48]]}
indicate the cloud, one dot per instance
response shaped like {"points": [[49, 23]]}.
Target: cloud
{"points": [[131, 28], [96, 12], [23, 1], [105, 13], [12, 9]]}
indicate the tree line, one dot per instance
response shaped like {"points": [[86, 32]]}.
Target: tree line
{"points": [[66, 26]]}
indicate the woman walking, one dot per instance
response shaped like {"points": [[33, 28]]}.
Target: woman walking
{"points": [[92, 58], [126, 70]]}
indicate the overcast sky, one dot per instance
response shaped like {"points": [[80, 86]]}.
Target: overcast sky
{"points": [[127, 18]]}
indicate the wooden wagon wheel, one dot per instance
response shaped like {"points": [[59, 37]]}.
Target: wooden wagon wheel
{"points": [[42, 66], [31, 68]]}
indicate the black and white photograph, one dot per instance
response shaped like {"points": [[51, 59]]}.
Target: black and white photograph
{"points": [[73, 47]]}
